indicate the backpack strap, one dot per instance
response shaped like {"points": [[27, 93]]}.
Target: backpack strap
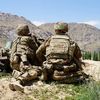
{"points": [[14, 45]]}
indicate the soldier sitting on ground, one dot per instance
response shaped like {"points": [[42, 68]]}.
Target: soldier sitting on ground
{"points": [[62, 57], [23, 59]]}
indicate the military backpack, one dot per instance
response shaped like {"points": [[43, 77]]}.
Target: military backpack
{"points": [[60, 48]]}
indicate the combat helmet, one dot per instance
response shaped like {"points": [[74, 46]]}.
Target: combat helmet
{"points": [[61, 27], [22, 30]]}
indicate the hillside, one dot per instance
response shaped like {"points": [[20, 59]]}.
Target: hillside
{"points": [[87, 36], [8, 24], [56, 91]]}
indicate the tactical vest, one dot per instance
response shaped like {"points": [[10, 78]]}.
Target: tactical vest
{"points": [[59, 48], [22, 45]]}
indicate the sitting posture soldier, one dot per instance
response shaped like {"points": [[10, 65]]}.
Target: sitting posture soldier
{"points": [[62, 56], [23, 56]]}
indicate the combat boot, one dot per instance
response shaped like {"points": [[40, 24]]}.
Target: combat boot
{"points": [[16, 86], [44, 76]]}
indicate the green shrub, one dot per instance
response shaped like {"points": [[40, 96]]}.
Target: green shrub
{"points": [[91, 91], [91, 55]]}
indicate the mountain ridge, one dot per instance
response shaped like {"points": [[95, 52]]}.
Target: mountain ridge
{"points": [[8, 24], [87, 36]]}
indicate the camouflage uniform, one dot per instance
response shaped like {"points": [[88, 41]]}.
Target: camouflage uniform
{"points": [[62, 63], [23, 57]]}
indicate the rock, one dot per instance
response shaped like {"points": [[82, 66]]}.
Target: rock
{"points": [[92, 68]]}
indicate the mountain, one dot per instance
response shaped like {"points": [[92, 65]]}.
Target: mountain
{"points": [[8, 24], [87, 36]]}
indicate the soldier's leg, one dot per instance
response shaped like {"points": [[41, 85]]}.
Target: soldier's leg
{"points": [[28, 72], [59, 75], [69, 74], [47, 71], [44, 76], [70, 68], [75, 77], [15, 65], [15, 62], [16, 84], [31, 74], [22, 78]]}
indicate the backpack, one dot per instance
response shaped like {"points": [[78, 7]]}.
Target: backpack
{"points": [[23, 45], [59, 47]]}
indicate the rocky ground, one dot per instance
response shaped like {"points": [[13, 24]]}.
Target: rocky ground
{"points": [[50, 91], [92, 68]]}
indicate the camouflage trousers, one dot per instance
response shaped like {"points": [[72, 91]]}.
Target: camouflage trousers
{"points": [[27, 74], [61, 72], [16, 60], [74, 77]]}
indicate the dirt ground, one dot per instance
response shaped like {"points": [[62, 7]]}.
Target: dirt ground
{"points": [[91, 68]]}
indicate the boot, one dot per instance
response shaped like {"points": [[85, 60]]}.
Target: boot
{"points": [[44, 75], [16, 86]]}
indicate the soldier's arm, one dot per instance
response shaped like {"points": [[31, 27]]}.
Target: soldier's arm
{"points": [[77, 52], [33, 44], [77, 56], [39, 41], [40, 53]]}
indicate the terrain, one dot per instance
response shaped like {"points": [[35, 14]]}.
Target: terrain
{"points": [[87, 36], [8, 24], [56, 91]]}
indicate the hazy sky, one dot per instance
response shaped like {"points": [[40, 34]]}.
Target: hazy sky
{"points": [[40, 11]]}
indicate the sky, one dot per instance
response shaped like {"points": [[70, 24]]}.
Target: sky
{"points": [[45, 11]]}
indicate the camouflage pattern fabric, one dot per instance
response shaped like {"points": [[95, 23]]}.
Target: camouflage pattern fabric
{"points": [[69, 65], [23, 55], [58, 47], [74, 77], [23, 46], [50, 67], [61, 56]]}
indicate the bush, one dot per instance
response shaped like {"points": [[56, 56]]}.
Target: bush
{"points": [[91, 91], [91, 55]]}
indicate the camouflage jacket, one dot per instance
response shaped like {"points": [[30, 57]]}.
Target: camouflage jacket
{"points": [[23, 45], [41, 51]]}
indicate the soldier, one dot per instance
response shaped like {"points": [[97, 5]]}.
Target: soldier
{"points": [[62, 56], [23, 58]]}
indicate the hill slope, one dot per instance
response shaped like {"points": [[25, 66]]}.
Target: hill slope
{"points": [[55, 91], [87, 36], [8, 24]]}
